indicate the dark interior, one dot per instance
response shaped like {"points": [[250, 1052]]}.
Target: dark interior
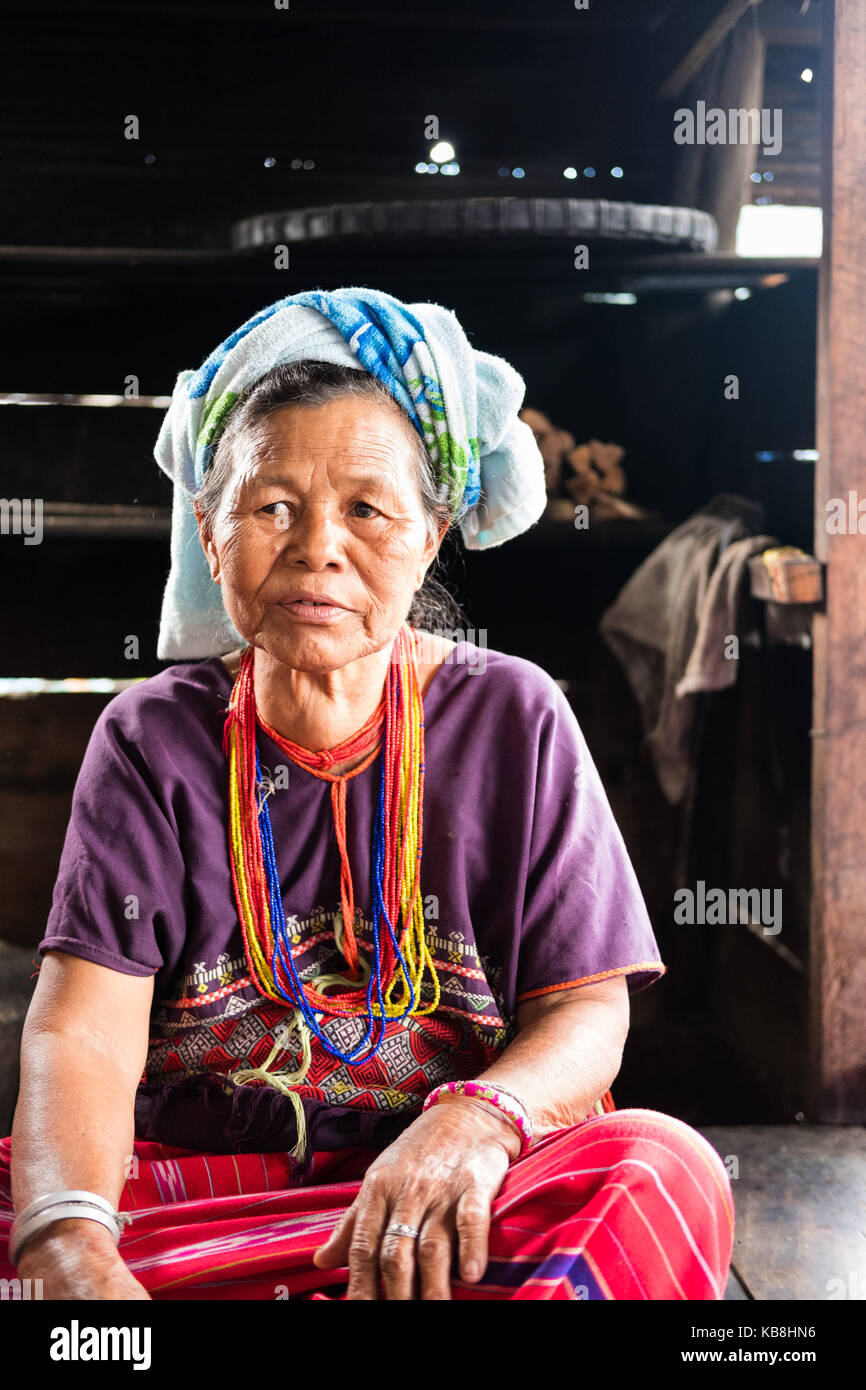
{"points": [[128, 259]]}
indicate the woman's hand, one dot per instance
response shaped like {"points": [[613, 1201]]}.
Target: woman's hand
{"points": [[441, 1177], [78, 1260]]}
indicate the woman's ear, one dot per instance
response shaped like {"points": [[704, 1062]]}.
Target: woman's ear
{"points": [[205, 534], [431, 550]]}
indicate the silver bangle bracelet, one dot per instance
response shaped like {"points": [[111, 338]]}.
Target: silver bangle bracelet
{"points": [[61, 1206], [65, 1194]]}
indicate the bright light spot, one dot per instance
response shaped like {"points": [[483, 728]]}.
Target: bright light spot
{"points": [[806, 75], [452, 168], [769, 176], [421, 168], [45, 398], [755, 178], [742, 292], [92, 399], [589, 172], [593, 298], [782, 455], [616, 172], [18, 686], [778, 230], [432, 168], [517, 173], [442, 152], [270, 162], [570, 172]]}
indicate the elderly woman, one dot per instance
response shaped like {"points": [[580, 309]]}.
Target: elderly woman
{"points": [[336, 976]]}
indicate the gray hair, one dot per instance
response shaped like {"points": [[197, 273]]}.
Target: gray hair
{"points": [[310, 384]]}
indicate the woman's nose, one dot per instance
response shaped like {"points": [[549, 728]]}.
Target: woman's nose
{"points": [[316, 536]]}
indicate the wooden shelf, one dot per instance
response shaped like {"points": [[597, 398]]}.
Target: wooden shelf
{"points": [[432, 219], [88, 521]]}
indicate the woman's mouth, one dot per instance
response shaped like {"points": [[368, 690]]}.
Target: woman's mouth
{"points": [[314, 610]]}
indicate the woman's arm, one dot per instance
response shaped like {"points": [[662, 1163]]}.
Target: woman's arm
{"points": [[82, 1056], [443, 1173], [567, 1052]]}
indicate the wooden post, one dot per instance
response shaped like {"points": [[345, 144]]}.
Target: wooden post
{"points": [[717, 178], [838, 928]]}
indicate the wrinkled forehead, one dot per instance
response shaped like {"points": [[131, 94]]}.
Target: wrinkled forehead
{"points": [[345, 442], [348, 437]]}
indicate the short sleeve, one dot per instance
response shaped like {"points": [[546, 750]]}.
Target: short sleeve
{"points": [[119, 894], [584, 917]]}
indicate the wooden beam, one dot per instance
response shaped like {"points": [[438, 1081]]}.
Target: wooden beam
{"points": [[704, 45], [784, 27], [791, 36], [86, 521], [786, 575], [838, 925], [717, 179]]}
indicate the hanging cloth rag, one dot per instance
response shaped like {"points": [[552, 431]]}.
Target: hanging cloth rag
{"points": [[669, 624]]}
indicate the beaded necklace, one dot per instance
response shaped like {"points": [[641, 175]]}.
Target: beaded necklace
{"points": [[397, 964]]}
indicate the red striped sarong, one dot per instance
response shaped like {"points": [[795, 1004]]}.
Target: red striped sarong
{"points": [[628, 1205]]}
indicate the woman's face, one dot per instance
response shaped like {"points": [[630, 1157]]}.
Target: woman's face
{"points": [[322, 502]]}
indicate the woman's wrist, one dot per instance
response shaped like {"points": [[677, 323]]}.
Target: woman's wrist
{"points": [[502, 1102], [70, 1237], [500, 1127], [65, 1204]]}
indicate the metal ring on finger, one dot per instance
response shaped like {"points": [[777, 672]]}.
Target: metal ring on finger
{"points": [[399, 1228]]}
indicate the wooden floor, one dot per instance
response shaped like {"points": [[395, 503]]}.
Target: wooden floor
{"points": [[800, 1195]]}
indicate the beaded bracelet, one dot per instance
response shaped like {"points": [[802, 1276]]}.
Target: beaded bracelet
{"points": [[498, 1097]]}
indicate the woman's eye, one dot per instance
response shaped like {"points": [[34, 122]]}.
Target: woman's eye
{"points": [[279, 513]]}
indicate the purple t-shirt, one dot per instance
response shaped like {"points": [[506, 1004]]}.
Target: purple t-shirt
{"points": [[526, 882]]}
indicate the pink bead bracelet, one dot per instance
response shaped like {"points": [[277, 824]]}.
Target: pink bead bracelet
{"points": [[501, 1100]]}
